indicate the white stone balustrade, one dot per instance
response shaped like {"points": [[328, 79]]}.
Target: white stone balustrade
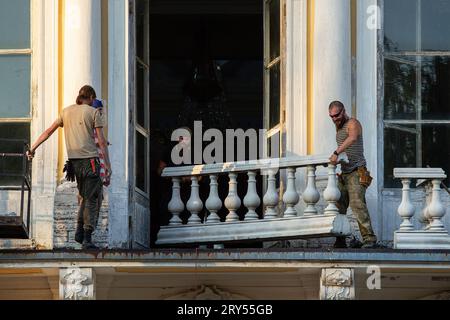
{"points": [[434, 235], [290, 224]]}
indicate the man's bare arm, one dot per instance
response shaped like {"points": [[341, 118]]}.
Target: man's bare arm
{"points": [[354, 130], [104, 147], [44, 137]]}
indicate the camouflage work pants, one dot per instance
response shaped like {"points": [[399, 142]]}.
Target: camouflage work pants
{"points": [[353, 194], [90, 187]]}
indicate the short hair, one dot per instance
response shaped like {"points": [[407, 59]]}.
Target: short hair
{"points": [[336, 104], [85, 93]]}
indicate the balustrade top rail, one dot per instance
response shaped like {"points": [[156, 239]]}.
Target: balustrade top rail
{"points": [[419, 173], [252, 165]]}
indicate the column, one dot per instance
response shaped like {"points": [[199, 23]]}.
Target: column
{"points": [[82, 47], [331, 68]]}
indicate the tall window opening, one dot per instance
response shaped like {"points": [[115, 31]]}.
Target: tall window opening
{"points": [[416, 58], [15, 84]]}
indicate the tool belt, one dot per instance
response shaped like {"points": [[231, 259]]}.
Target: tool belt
{"points": [[70, 171], [364, 177]]}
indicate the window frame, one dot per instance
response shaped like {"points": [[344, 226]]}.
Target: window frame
{"points": [[382, 56], [144, 64], [269, 63], [23, 52], [28, 52]]}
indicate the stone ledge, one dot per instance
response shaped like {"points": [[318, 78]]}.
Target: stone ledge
{"points": [[258, 230], [419, 239], [17, 244]]}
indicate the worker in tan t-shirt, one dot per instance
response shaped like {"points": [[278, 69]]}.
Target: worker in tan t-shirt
{"points": [[79, 122]]}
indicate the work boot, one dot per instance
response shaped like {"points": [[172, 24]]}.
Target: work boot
{"points": [[79, 234], [370, 245], [340, 243], [87, 242], [355, 243]]}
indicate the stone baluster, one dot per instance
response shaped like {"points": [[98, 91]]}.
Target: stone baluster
{"points": [[436, 210], [311, 195], [271, 197], [213, 204], [195, 204], [251, 200], [232, 202], [332, 193], [291, 196], [176, 206], [423, 217], [406, 209]]}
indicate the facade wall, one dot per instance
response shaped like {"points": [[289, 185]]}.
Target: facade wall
{"points": [[329, 64], [318, 66]]}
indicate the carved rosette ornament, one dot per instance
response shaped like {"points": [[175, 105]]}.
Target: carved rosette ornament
{"points": [[77, 284], [337, 284]]}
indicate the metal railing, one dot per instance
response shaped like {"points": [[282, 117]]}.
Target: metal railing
{"points": [[13, 226]]}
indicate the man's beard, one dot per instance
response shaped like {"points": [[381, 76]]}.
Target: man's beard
{"points": [[339, 124]]}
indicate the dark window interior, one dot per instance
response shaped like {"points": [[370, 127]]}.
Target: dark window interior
{"points": [[203, 67], [416, 86]]}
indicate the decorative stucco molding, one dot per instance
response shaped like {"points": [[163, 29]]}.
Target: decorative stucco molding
{"points": [[205, 293], [77, 284], [337, 284]]}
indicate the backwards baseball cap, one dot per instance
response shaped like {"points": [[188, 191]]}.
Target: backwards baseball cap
{"points": [[97, 104]]}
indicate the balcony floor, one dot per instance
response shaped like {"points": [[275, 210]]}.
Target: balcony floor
{"points": [[259, 256]]}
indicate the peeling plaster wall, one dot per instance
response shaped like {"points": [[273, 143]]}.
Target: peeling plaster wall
{"points": [[65, 218]]}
